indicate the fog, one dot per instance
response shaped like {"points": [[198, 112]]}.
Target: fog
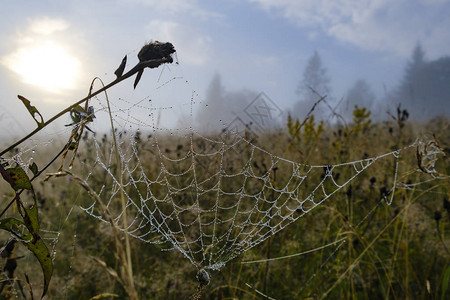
{"points": [[270, 59], [423, 91]]}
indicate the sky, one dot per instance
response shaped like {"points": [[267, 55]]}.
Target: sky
{"points": [[51, 50]]}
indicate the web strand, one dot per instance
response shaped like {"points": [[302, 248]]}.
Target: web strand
{"points": [[209, 196], [211, 199]]}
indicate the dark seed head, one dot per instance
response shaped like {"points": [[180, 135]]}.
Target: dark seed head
{"points": [[437, 215], [446, 204], [349, 192], [156, 50], [383, 192]]}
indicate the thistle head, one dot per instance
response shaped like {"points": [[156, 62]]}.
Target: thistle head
{"points": [[156, 50]]}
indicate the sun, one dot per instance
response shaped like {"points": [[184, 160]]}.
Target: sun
{"points": [[47, 65]]}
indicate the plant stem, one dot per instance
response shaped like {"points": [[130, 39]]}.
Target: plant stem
{"points": [[140, 66], [128, 267]]}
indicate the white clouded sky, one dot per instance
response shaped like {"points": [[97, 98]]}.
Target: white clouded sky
{"points": [[193, 46], [47, 26], [261, 45], [379, 25]]}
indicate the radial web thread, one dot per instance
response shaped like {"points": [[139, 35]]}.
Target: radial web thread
{"points": [[211, 199]]}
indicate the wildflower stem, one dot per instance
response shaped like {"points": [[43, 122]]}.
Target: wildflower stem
{"points": [[140, 66]]}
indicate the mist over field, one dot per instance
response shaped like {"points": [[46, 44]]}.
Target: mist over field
{"points": [[51, 56], [423, 91], [254, 149]]}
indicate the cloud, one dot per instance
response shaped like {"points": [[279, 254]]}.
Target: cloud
{"points": [[46, 65], [183, 23], [193, 47], [264, 61], [47, 26], [379, 25], [43, 57], [176, 8]]}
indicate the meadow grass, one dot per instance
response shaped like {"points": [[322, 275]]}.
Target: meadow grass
{"points": [[397, 251]]}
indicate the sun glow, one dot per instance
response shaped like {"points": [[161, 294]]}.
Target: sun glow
{"points": [[47, 65]]}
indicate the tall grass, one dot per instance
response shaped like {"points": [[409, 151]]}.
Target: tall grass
{"points": [[393, 252]]}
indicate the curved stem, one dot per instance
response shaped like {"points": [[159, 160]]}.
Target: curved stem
{"points": [[140, 66]]}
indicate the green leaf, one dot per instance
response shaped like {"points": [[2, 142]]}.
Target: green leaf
{"points": [[37, 245], [33, 111], [39, 249], [17, 178], [12, 225], [31, 218], [32, 241], [6, 176], [445, 281], [3, 162], [78, 113], [34, 168], [72, 146], [29, 236]]}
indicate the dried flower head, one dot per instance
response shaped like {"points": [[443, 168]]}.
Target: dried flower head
{"points": [[156, 50], [154, 54]]}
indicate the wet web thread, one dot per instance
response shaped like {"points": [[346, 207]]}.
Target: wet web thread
{"points": [[210, 198]]}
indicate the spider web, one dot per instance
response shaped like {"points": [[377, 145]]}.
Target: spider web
{"points": [[211, 207], [209, 196]]}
